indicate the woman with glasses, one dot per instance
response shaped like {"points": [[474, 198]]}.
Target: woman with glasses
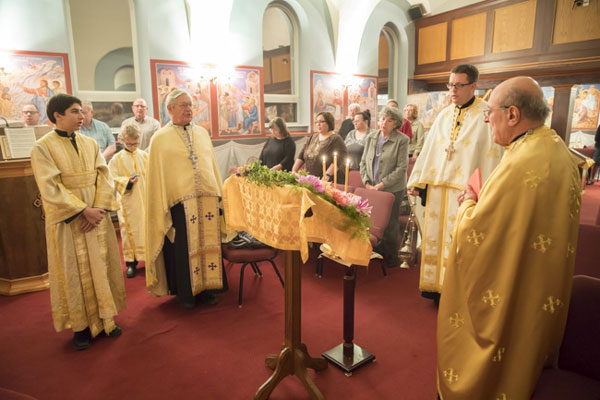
{"points": [[383, 167], [279, 150], [355, 141], [322, 146], [128, 168]]}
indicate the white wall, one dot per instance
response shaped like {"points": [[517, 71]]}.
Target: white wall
{"points": [[33, 25], [98, 28], [387, 11], [233, 27]]}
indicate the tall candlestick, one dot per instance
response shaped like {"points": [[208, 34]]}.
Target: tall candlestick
{"points": [[347, 170], [335, 169], [324, 169]]}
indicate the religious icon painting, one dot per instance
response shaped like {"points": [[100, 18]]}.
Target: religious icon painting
{"points": [[28, 77], [585, 109], [327, 94], [549, 96], [430, 104], [364, 93], [240, 99], [171, 75]]}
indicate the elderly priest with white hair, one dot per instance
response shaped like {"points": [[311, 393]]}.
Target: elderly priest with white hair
{"points": [[183, 222], [508, 279]]}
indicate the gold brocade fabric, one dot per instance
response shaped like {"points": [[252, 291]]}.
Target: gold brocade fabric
{"points": [[132, 202], [277, 216], [86, 280], [175, 176], [508, 280], [473, 148]]}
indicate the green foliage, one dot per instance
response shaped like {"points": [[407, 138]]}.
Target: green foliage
{"points": [[358, 223]]}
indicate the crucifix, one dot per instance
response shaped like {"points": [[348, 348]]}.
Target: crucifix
{"points": [[449, 151]]}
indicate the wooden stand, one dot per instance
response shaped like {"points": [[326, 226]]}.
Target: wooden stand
{"points": [[294, 358], [349, 356], [23, 259]]}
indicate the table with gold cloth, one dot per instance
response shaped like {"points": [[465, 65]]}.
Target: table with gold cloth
{"points": [[288, 218]]}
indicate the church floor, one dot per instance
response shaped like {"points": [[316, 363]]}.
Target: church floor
{"points": [[166, 352]]}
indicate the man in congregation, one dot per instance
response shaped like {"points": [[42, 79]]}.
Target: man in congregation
{"points": [[147, 125], [31, 115], [508, 279], [458, 142], [98, 131], [411, 114], [84, 265], [348, 123], [183, 223]]}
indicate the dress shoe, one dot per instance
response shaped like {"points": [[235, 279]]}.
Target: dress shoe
{"points": [[209, 299], [187, 303], [115, 332], [131, 271], [82, 339]]}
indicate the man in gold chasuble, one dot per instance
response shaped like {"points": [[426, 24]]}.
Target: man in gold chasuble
{"points": [[457, 143], [183, 222], [508, 278], [84, 266], [128, 168]]}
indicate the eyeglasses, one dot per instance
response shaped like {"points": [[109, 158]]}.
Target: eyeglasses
{"points": [[457, 85], [131, 144], [486, 113], [30, 112], [139, 106]]}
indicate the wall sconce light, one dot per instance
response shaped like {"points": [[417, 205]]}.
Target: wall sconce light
{"points": [[285, 61]]}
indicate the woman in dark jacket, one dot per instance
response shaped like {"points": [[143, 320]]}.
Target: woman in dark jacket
{"points": [[279, 150]]}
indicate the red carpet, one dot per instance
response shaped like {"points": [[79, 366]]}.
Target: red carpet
{"points": [[218, 352], [590, 204]]}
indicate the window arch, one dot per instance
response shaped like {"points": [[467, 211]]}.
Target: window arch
{"points": [[388, 64], [280, 62]]}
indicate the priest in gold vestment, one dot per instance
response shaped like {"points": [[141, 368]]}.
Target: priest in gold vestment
{"points": [[128, 168], [84, 266], [457, 143], [508, 279], [183, 222]]}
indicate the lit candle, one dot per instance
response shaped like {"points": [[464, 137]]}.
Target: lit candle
{"points": [[347, 170], [335, 169], [324, 169]]}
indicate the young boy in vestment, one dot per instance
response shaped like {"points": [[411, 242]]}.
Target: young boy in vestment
{"points": [[84, 266], [128, 168]]}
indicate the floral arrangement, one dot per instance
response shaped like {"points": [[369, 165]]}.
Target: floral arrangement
{"points": [[357, 209]]}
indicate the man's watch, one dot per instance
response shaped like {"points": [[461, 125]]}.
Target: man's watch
{"points": [[329, 176]]}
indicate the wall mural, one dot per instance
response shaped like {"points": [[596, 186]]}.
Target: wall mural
{"points": [[364, 93], [31, 77], [429, 104], [327, 94], [171, 75], [585, 109], [240, 99]]}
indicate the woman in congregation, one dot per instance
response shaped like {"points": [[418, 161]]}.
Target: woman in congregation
{"points": [[322, 145], [383, 167], [279, 150], [355, 141]]}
